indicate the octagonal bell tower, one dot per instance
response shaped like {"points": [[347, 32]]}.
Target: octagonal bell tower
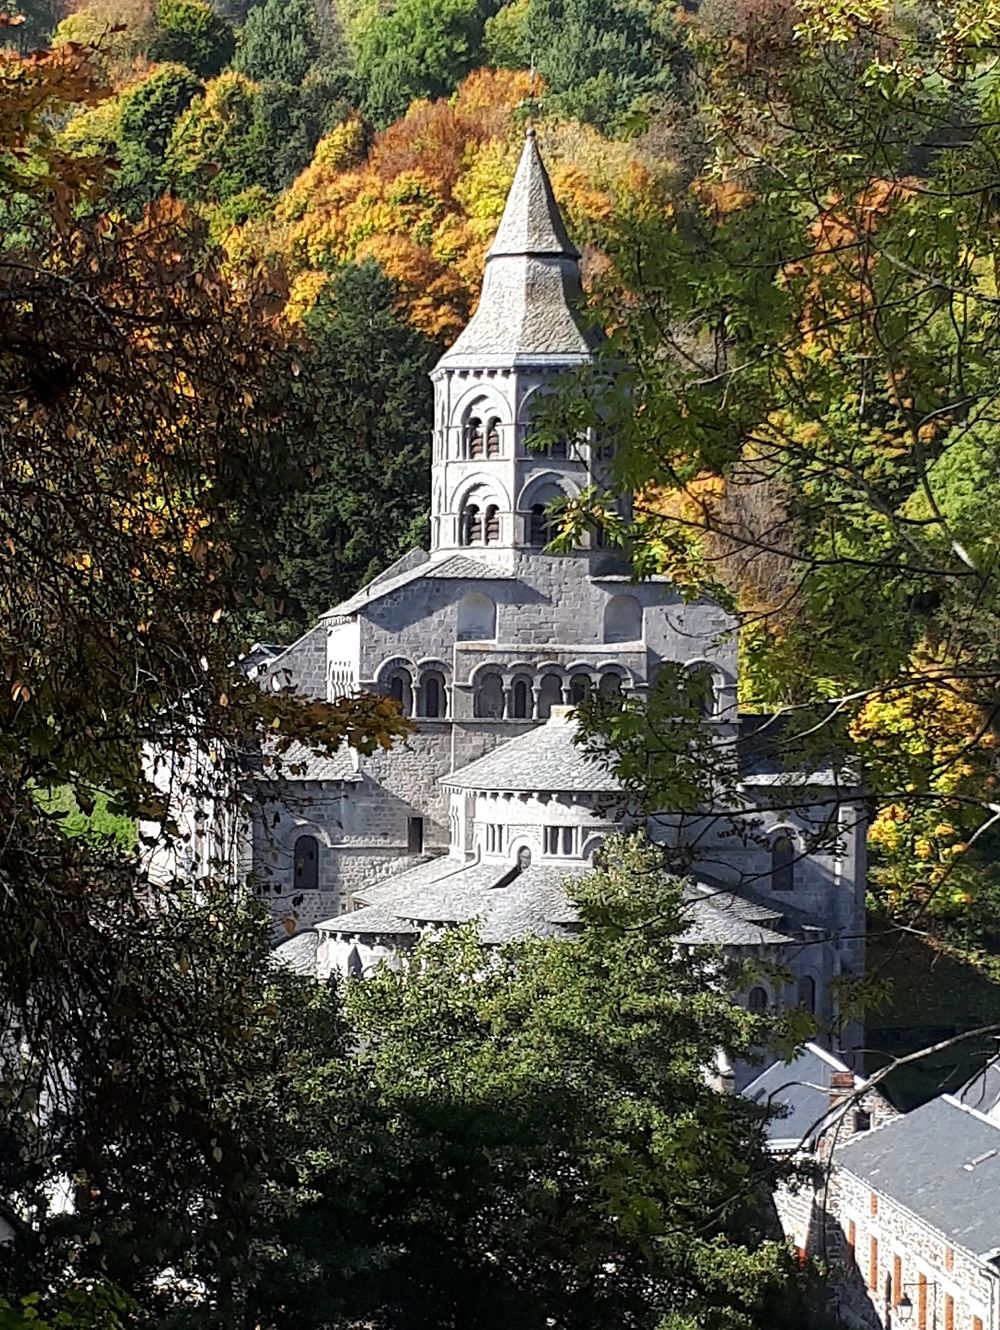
{"points": [[488, 492]]}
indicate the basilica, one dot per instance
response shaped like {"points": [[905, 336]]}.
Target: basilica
{"points": [[488, 641]]}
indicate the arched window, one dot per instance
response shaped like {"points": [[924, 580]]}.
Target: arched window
{"points": [[523, 858], [488, 701], [306, 860], [610, 684], [757, 1000], [354, 967], [491, 526], [549, 695], [477, 618], [579, 687], [432, 695], [399, 685], [493, 438], [701, 690], [520, 702], [623, 620], [807, 992], [474, 445], [471, 525], [782, 863]]}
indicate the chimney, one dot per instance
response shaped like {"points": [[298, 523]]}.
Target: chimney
{"points": [[837, 1127]]}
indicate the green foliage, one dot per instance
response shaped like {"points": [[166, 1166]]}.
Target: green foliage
{"points": [[190, 33], [289, 120], [99, 825], [506, 43], [364, 382], [602, 63], [280, 42], [148, 114], [212, 153], [421, 48]]}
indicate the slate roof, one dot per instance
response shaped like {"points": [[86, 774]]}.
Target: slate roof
{"points": [[803, 1088], [942, 1162], [300, 763], [546, 758], [458, 567], [982, 1093], [531, 286], [297, 953], [533, 902]]}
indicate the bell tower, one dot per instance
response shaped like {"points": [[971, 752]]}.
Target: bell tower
{"points": [[488, 492]]}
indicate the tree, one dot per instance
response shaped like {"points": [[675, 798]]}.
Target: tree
{"points": [[139, 445], [191, 33], [541, 1146], [147, 115], [364, 378], [211, 154], [421, 48], [280, 42]]}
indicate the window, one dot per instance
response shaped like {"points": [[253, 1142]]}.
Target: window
{"points": [[521, 700], [623, 620], [872, 1204], [557, 450], [472, 525], [539, 526], [306, 859], [523, 858], [488, 700], [977, 1323], [491, 526], [493, 439], [354, 964], [579, 687], [432, 696], [549, 695], [477, 618], [852, 1242], [474, 446], [782, 863], [873, 1263], [897, 1280], [807, 992], [757, 1000], [921, 1302], [399, 685], [610, 685], [560, 842], [701, 690], [949, 1312], [949, 1258], [414, 835], [494, 838]]}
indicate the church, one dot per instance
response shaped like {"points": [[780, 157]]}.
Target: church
{"points": [[488, 641]]}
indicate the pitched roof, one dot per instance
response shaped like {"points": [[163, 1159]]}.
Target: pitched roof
{"points": [[802, 1087], [942, 1162], [297, 953], [531, 286], [546, 758], [459, 567], [299, 762]]}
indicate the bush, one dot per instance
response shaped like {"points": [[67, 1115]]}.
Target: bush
{"points": [[191, 34]]}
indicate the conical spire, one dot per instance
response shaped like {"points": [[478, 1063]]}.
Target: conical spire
{"points": [[531, 222], [531, 287]]}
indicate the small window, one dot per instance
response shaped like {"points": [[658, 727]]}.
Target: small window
{"points": [[549, 695], [414, 835], [558, 450], [579, 688], [474, 438], [757, 1000], [539, 526], [521, 700], [807, 993], [493, 439], [354, 968], [488, 700], [782, 863], [551, 840], [400, 688], [492, 525], [873, 1263], [623, 619], [472, 525], [523, 858], [306, 858], [494, 838], [477, 618], [432, 697], [568, 841], [610, 685]]}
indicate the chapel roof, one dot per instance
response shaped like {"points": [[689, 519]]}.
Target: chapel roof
{"points": [[511, 903], [546, 758], [458, 568], [527, 312]]}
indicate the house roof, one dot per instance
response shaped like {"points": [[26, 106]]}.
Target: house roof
{"points": [[458, 567], [299, 762], [297, 953], [802, 1088], [942, 1163], [546, 758], [531, 287]]}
